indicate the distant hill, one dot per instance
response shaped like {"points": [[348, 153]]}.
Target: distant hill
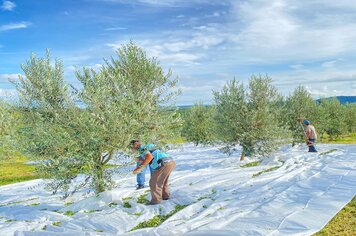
{"points": [[182, 107], [343, 99]]}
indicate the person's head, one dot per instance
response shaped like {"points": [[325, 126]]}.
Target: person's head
{"points": [[135, 144], [306, 122]]}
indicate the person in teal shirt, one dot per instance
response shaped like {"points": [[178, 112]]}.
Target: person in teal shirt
{"points": [[161, 166]]}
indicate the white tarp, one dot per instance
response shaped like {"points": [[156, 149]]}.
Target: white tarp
{"points": [[298, 198]]}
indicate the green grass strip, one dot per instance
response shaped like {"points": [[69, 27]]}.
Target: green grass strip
{"points": [[142, 199], [265, 171], [158, 219], [344, 223], [251, 164], [327, 152]]}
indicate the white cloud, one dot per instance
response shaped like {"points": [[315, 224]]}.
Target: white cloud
{"points": [[96, 66], [115, 46], [332, 63], [76, 58], [187, 48], [276, 31], [299, 42], [216, 14], [162, 52], [6, 77], [331, 81], [8, 93], [13, 26], [297, 66], [8, 6]]}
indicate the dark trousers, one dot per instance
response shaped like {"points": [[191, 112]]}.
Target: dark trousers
{"points": [[311, 145]]}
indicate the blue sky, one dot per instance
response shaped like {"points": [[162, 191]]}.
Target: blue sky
{"points": [[204, 42]]}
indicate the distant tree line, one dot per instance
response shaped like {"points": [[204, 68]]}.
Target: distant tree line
{"points": [[259, 119]]}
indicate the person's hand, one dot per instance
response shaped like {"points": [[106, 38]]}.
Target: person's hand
{"points": [[137, 170]]}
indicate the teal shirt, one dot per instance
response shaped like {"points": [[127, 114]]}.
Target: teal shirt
{"points": [[157, 154]]}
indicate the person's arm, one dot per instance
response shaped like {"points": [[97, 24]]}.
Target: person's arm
{"points": [[148, 159]]}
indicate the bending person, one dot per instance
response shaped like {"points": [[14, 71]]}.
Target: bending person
{"points": [[161, 166]]}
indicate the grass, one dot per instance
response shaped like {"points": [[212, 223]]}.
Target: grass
{"points": [[17, 202], [10, 220], [91, 211], [138, 214], [158, 219], [15, 170], [344, 223], [327, 152], [251, 164], [11, 203], [127, 198], [108, 166], [56, 223], [69, 213], [203, 197], [113, 204], [34, 204], [265, 171], [142, 199], [343, 139], [177, 140], [127, 205]]}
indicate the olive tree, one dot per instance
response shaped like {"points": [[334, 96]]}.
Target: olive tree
{"points": [[8, 125], [78, 130], [198, 124], [299, 106], [246, 116], [333, 117]]}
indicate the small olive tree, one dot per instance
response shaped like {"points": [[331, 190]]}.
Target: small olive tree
{"points": [[198, 124], [299, 106], [333, 117], [246, 116], [79, 133], [8, 126], [350, 117]]}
